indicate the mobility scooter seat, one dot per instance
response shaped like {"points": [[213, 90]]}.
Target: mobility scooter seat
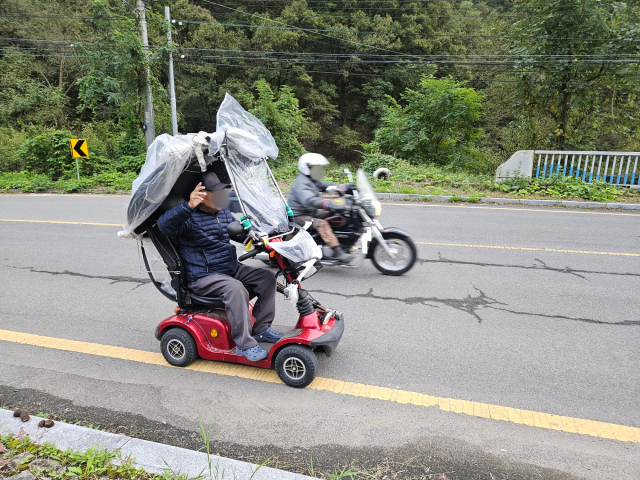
{"points": [[209, 302]]}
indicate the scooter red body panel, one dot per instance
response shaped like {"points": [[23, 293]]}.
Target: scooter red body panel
{"points": [[212, 334]]}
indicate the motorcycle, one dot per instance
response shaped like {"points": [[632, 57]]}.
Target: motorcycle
{"points": [[355, 224]]}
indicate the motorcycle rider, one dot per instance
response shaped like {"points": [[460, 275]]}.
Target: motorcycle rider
{"points": [[307, 205]]}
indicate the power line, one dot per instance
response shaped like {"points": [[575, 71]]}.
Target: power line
{"points": [[408, 4], [401, 34], [356, 32], [368, 57], [376, 55], [391, 76], [322, 34]]}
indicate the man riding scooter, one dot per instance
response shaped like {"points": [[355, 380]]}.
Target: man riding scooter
{"points": [[200, 226], [307, 205]]}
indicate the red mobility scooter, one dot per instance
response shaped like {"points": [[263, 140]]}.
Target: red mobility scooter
{"points": [[199, 327]]}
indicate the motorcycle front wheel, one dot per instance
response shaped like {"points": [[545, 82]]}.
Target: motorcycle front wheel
{"points": [[403, 248]]}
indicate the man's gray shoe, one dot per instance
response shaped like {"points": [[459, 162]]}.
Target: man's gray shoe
{"points": [[255, 354], [341, 255], [269, 336]]}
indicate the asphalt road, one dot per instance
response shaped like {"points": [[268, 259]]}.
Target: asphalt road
{"points": [[542, 330]]}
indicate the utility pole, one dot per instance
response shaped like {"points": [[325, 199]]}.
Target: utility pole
{"points": [[172, 87], [149, 123]]}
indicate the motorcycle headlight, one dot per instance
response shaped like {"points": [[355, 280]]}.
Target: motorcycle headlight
{"points": [[369, 208], [377, 209]]}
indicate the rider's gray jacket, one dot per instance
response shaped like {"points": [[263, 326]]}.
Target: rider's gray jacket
{"points": [[304, 197]]}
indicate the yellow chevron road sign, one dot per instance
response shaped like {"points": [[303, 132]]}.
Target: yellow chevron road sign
{"points": [[79, 148]]}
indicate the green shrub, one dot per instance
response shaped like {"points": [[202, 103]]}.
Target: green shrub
{"points": [[474, 160], [375, 160], [48, 154], [431, 123], [25, 182], [73, 185], [116, 180], [129, 163], [562, 187], [10, 142], [131, 142], [282, 115]]}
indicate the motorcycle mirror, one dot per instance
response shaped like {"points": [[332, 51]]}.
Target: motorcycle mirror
{"points": [[235, 229]]}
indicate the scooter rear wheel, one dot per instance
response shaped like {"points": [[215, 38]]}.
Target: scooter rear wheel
{"points": [[178, 347], [296, 365]]}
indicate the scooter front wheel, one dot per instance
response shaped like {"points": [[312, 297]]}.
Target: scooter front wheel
{"points": [[404, 250], [296, 365]]}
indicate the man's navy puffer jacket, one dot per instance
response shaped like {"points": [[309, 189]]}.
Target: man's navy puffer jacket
{"points": [[203, 240]]}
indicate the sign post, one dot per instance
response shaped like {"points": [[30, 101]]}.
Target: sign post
{"points": [[79, 149]]}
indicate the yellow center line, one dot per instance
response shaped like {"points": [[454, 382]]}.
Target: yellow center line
{"points": [[539, 210], [63, 223], [467, 245], [537, 249], [463, 407]]}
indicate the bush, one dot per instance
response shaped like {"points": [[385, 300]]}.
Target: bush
{"points": [[283, 117], [375, 160], [432, 123], [474, 160], [129, 163], [30, 182], [25, 182], [116, 180], [562, 187], [73, 185], [48, 154], [10, 142]]}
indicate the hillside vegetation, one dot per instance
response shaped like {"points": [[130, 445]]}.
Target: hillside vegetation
{"points": [[449, 88]]}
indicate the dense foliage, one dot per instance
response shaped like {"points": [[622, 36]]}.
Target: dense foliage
{"points": [[456, 83]]}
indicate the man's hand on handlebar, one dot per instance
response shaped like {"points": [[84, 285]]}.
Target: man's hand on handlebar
{"points": [[347, 188], [251, 235]]}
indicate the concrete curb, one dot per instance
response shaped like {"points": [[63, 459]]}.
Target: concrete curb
{"points": [[508, 201], [150, 456]]}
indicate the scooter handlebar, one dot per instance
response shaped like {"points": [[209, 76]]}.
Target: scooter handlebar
{"points": [[248, 255]]}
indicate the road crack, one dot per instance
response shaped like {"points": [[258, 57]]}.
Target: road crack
{"points": [[469, 304], [113, 278], [540, 265]]}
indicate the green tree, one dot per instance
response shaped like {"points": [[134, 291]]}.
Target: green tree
{"points": [[570, 59], [282, 115], [431, 123]]}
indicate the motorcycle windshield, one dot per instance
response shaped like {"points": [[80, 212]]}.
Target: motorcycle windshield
{"points": [[248, 144], [365, 189]]}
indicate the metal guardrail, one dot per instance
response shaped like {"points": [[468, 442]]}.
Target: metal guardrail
{"points": [[616, 168]]}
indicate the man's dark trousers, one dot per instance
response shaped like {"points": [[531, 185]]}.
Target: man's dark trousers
{"points": [[236, 300]]}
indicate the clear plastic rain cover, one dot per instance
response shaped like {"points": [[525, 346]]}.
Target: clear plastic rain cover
{"points": [[167, 157], [300, 248], [249, 143]]}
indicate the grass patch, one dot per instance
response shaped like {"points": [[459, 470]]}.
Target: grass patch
{"points": [[47, 460], [407, 179]]}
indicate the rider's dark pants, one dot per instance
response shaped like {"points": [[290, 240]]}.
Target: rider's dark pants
{"points": [[236, 300], [322, 226]]}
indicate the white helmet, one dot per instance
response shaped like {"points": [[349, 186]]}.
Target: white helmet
{"points": [[310, 159]]}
